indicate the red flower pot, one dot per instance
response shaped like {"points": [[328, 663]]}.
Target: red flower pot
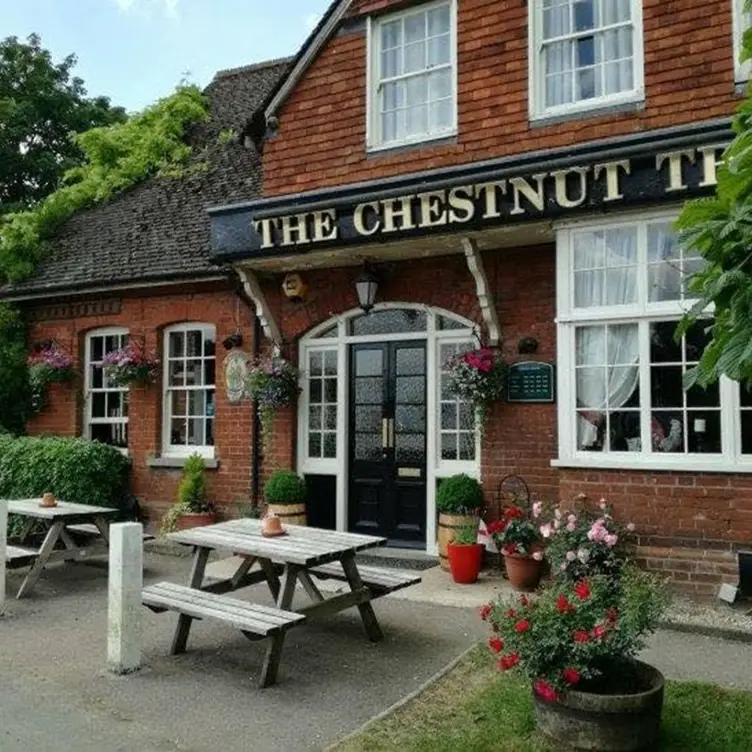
{"points": [[524, 572], [200, 519], [465, 560]]}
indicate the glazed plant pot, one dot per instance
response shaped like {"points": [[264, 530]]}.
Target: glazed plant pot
{"points": [[195, 519], [620, 714], [465, 560], [524, 572]]}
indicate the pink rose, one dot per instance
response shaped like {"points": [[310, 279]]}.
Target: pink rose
{"points": [[557, 513], [546, 530], [537, 508], [631, 527], [572, 518], [611, 540], [571, 527], [571, 556], [538, 555], [602, 503]]}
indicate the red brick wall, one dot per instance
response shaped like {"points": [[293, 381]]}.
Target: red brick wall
{"points": [[145, 317], [689, 76]]}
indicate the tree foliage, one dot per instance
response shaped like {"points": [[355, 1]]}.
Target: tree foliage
{"points": [[41, 104], [720, 228], [14, 378], [116, 157]]}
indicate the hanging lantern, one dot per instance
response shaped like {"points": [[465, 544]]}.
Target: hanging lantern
{"points": [[367, 285]]}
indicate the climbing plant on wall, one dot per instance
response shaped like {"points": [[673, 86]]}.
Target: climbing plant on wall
{"points": [[116, 157]]}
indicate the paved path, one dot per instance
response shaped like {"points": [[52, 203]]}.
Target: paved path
{"points": [[55, 695]]}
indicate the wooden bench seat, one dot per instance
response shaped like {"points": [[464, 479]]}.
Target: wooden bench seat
{"points": [[90, 529], [18, 556], [379, 580], [253, 620]]}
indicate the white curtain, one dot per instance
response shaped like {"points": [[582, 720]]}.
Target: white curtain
{"points": [[605, 268], [610, 383], [592, 65]]}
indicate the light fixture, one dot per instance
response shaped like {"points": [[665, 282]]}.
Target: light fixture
{"points": [[366, 285]]}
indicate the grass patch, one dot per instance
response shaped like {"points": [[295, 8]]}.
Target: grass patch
{"points": [[475, 708]]}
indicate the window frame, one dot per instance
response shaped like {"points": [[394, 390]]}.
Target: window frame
{"points": [[374, 141], [183, 450], [536, 70], [741, 70], [88, 419], [730, 459]]}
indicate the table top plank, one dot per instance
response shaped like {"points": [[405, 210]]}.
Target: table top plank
{"points": [[63, 510], [300, 546]]}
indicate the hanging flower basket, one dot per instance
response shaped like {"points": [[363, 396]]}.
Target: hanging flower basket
{"points": [[48, 366], [129, 365], [272, 384], [478, 377]]}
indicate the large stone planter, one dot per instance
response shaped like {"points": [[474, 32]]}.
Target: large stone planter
{"points": [[607, 722]]}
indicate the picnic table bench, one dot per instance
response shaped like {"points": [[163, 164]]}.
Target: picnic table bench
{"points": [[282, 562], [58, 544]]}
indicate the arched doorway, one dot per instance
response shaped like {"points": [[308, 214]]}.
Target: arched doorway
{"points": [[376, 426]]}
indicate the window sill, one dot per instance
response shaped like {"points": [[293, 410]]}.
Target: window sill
{"points": [[542, 119], [440, 139], [694, 463], [167, 462]]}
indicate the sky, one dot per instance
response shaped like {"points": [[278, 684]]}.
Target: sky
{"points": [[135, 51]]}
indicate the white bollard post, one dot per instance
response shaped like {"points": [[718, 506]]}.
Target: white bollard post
{"points": [[3, 550], [124, 613]]}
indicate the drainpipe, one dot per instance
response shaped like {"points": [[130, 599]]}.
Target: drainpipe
{"points": [[256, 447]]}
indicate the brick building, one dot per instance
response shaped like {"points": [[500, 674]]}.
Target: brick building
{"points": [[508, 173]]}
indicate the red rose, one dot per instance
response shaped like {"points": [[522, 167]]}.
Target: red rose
{"points": [[582, 590], [485, 611], [510, 549], [522, 626], [496, 644], [495, 527], [598, 631], [571, 676], [563, 606], [545, 691], [581, 636], [512, 614], [509, 661]]}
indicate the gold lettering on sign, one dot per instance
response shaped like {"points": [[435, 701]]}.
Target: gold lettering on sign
{"points": [[560, 176], [487, 191], [432, 210], [710, 164], [264, 228], [324, 227], [675, 171], [404, 213], [613, 188], [295, 230], [359, 219], [462, 207], [535, 196]]}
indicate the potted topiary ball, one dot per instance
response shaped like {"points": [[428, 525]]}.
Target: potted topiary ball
{"points": [[285, 494], [459, 500], [192, 508]]}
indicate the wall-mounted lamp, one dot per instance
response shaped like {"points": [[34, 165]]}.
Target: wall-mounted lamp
{"points": [[367, 285]]}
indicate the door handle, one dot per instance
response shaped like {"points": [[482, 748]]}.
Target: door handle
{"points": [[391, 433], [385, 434]]}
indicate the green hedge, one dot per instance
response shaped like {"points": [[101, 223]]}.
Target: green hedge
{"points": [[77, 470]]}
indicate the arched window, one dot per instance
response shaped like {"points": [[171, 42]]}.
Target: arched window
{"points": [[105, 404]]}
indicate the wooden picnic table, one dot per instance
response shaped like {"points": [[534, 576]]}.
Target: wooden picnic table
{"points": [[299, 556], [64, 522]]}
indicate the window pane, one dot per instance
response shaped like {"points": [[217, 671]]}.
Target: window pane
{"points": [[179, 402], [666, 386], [330, 445], [209, 432], [369, 362], [97, 377], [330, 390], [314, 418], [449, 416], [98, 405], [449, 449], [746, 431], [176, 373], [393, 321], [196, 403], [196, 432], [667, 432], [467, 445], [438, 21], [177, 344], [314, 445], [391, 35], [584, 15], [415, 28], [97, 348], [194, 372], [390, 63], [179, 431], [704, 431], [315, 393], [664, 282], [330, 417], [439, 50], [663, 346], [368, 419]]}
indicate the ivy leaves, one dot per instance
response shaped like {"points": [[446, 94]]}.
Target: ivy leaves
{"points": [[116, 157]]}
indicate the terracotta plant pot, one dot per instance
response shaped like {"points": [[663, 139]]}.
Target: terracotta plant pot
{"points": [[615, 716], [199, 519], [465, 560], [448, 526], [48, 500], [524, 572]]}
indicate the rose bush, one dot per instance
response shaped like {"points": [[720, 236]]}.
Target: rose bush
{"points": [[516, 533]]}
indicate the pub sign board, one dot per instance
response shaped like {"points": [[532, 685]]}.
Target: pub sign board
{"points": [[627, 172], [530, 381]]}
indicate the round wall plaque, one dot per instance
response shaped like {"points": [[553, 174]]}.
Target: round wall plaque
{"points": [[236, 372]]}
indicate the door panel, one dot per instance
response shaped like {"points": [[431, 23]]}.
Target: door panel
{"points": [[388, 447]]}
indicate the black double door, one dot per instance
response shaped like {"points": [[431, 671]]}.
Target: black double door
{"points": [[387, 469]]}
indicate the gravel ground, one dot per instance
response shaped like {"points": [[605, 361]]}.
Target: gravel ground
{"points": [[688, 615]]}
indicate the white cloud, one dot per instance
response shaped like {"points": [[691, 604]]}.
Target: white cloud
{"points": [[147, 7], [309, 21]]}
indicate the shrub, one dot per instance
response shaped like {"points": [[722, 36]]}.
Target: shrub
{"points": [[285, 487], [76, 470], [459, 494], [14, 378], [515, 534], [192, 488]]}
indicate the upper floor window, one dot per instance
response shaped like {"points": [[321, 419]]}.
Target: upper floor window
{"points": [[105, 403], [584, 54], [742, 21], [412, 91], [189, 387]]}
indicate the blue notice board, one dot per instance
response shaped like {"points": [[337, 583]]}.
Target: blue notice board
{"points": [[530, 381]]}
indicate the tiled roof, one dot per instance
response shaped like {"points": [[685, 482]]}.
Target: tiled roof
{"points": [[159, 229]]}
